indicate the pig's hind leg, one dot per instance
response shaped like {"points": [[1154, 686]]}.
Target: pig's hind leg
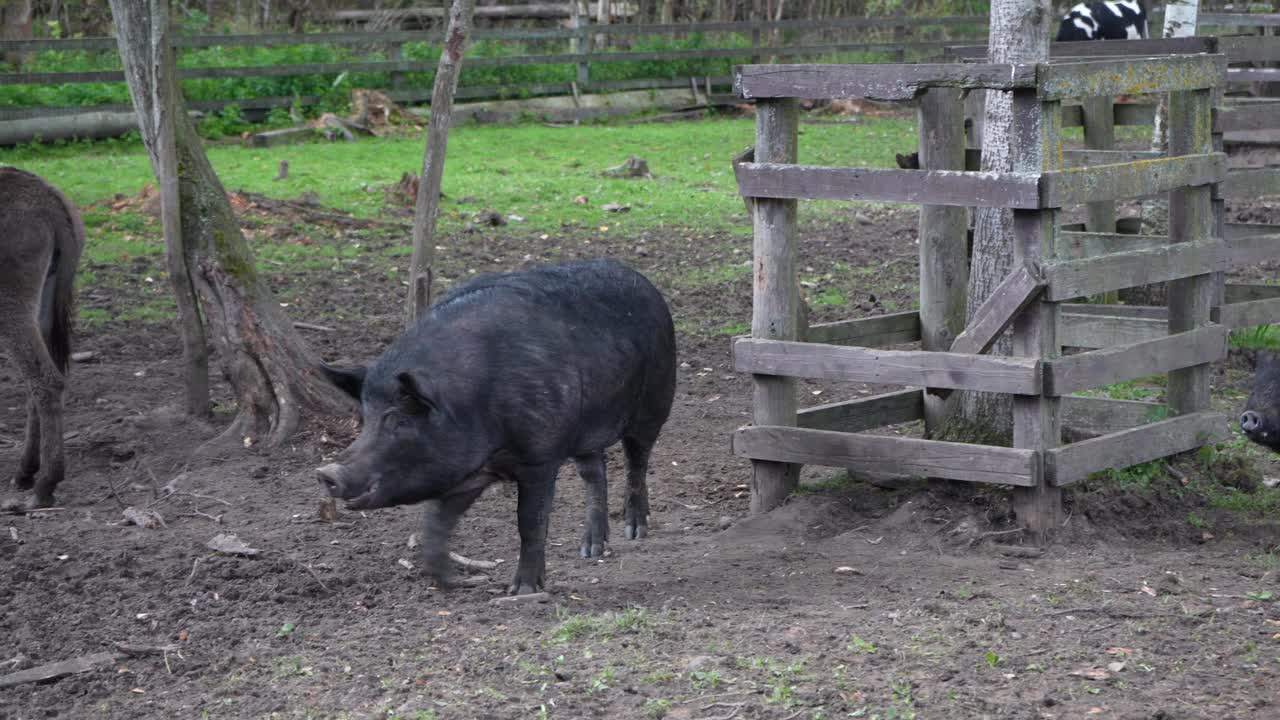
{"points": [[635, 506], [595, 536]]}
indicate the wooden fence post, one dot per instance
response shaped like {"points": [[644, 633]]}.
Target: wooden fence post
{"points": [[775, 296], [395, 54], [1190, 218], [1098, 114], [944, 265], [1037, 421]]}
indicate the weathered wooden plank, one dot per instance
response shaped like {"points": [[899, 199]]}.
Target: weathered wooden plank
{"points": [[879, 453], [1253, 75], [1247, 314], [1249, 48], [1236, 19], [1060, 188], [1232, 231], [1064, 376], [1129, 76], [1035, 140], [1144, 443], [932, 187], [1146, 47], [1072, 245], [1081, 158], [1249, 293], [875, 331], [1132, 311], [888, 367], [1250, 183], [865, 413], [874, 82], [1018, 289], [775, 296], [1080, 278], [1246, 117], [1244, 250], [1107, 415], [943, 254], [1103, 331]]}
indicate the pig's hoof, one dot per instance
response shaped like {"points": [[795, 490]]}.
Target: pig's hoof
{"points": [[637, 530], [594, 542], [525, 587]]}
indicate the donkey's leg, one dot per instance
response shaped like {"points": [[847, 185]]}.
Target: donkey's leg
{"points": [[46, 383], [30, 463]]}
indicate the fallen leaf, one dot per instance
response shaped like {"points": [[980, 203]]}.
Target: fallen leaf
{"points": [[413, 541], [143, 518], [616, 207], [231, 545], [182, 636], [328, 510], [581, 200], [1115, 667], [1119, 651], [1148, 591], [848, 570], [1093, 673], [402, 562]]}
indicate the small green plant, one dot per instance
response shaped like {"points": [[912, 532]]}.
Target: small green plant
{"points": [[285, 630], [706, 679], [857, 644], [1196, 521], [1263, 595], [602, 680], [992, 659], [780, 694], [657, 707]]}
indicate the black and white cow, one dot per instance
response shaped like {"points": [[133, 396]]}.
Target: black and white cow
{"points": [[1112, 20]]}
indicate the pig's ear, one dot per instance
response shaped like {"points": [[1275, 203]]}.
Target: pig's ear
{"points": [[349, 380], [413, 384]]}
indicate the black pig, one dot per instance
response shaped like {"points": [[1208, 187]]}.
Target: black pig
{"points": [[1261, 418], [503, 379]]}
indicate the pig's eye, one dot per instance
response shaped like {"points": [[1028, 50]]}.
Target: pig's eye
{"points": [[410, 404]]}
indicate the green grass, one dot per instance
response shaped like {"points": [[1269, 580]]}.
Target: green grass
{"points": [[604, 625], [1260, 337], [527, 170]]}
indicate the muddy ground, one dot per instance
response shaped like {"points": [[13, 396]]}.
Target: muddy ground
{"points": [[851, 601]]}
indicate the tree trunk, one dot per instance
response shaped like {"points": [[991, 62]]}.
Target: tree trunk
{"points": [[1179, 21], [270, 369], [15, 24], [428, 200], [1019, 33]]}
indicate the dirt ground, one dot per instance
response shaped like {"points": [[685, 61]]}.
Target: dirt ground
{"points": [[850, 601]]}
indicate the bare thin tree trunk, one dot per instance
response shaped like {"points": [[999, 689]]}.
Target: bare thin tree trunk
{"points": [[428, 201], [270, 369], [1179, 21], [15, 24], [1019, 33]]}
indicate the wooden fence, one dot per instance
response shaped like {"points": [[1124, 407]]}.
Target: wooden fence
{"points": [[1235, 118], [1051, 267], [904, 37]]}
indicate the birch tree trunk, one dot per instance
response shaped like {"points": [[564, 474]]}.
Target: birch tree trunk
{"points": [[270, 369], [428, 201], [1019, 33], [1180, 18]]}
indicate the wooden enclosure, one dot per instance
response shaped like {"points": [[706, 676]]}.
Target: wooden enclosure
{"points": [[1053, 266], [1244, 120]]}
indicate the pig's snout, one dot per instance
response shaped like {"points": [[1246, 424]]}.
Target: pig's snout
{"points": [[334, 479], [1250, 421]]}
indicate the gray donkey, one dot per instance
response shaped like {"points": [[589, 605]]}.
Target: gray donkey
{"points": [[41, 236]]}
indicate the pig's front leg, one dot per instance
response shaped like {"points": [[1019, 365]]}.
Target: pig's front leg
{"points": [[439, 519], [537, 488]]}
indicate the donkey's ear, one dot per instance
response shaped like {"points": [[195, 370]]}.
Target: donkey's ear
{"points": [[348, 380]]}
